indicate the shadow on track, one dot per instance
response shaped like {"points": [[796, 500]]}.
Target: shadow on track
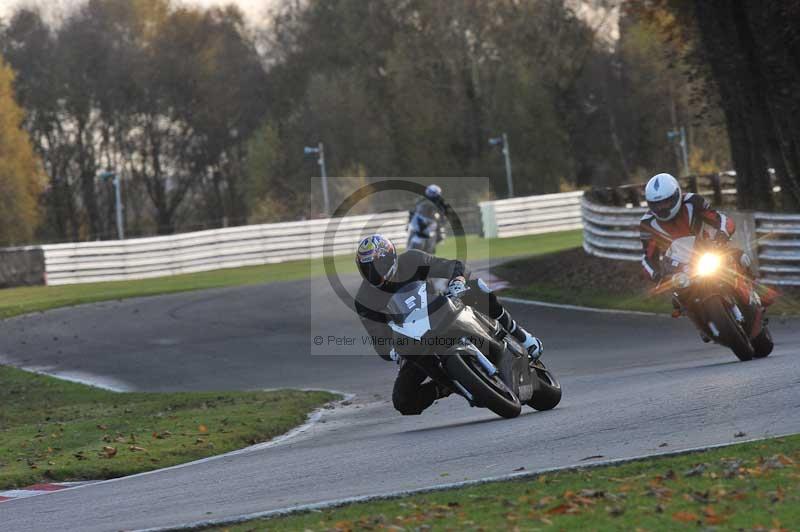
{"points": [[475, 422]]}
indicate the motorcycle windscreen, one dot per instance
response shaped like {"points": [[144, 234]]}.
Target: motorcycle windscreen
{"points": [[414, 310]]}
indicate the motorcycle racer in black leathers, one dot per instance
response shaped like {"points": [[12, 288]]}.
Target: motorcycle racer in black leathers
{"points": [[385, 272]]}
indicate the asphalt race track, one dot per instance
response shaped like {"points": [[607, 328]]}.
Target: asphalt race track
{"points": [[631, 384]]}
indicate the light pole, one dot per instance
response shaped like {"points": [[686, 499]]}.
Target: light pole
{"points": [[108, 174], [680, 135], [503, 139], [320, 150]]}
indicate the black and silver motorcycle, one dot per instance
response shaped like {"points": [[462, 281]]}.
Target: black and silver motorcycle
{"points": [[468, 352], [424, 232]]}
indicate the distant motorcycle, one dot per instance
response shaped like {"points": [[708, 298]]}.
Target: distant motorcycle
{"points": [[719, 299], [423, 228], [468, 352]]}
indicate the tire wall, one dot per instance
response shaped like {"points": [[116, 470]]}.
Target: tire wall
{"points": [[21, 267]]}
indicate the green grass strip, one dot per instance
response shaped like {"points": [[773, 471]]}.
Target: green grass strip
{"points": [[751, 486], [54, 430]]}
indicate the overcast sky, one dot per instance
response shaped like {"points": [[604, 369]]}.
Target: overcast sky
{"points": [[254, 9]]}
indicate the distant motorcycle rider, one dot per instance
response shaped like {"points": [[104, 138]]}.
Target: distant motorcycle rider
{"points": [[433, 198], [385, 272], [673, 215]]}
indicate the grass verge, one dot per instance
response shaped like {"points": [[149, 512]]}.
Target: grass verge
{"points": [[15, 301], [54, 430], [751, 486]]}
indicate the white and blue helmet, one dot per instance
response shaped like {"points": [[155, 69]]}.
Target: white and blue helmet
{"points": [[663, 195], [433, 192]]}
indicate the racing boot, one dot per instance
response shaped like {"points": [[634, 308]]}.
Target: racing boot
{"points": [[765, 294], [677, 310], [532, 344]]}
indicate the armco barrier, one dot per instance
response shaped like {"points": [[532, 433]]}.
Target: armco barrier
{"points": [[531, 215], [611, 232], [251, 245], [778, 248]]}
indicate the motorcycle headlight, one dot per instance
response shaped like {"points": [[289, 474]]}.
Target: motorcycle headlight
{"points": [[708, 264], [680, 281]]}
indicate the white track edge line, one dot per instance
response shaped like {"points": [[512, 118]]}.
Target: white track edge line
{"points": [[197, 525], [580, 308]]}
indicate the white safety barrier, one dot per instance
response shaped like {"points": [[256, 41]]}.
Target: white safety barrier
{"points": [[778, 248], [612, 232], [531, 215], [251, 245]]}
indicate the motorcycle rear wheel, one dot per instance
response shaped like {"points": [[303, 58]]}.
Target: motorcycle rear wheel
{"points": [[730, 332], [548, 394], [762, 344], [489, 392]]}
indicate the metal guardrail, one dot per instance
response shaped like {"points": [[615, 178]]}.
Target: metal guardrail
{"points": [[778, 248], [233, 247], [612, 232], [531, 215]]}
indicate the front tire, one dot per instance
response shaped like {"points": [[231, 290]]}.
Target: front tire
{"points": [[548, 395], [490, 392], [762, 344], [730, 332]]}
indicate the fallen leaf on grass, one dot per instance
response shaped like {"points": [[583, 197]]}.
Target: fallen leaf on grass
{"points": [[696, 471], [109, 451], [544, 501], [658, 492], [136, 448], [711, 516], [202, 428], [684, 517], [560, 509], [615, 511], [703, 497], [102, 427], [775, 496]]}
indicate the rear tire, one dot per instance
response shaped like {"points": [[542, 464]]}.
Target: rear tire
{"points": [[730, 332], [548, 395], [489, 392], [762, 344]]}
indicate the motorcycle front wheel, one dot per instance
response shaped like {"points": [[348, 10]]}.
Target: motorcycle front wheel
{"points": [[762, 344], [490, 392], [548, 394], [730, 332]]}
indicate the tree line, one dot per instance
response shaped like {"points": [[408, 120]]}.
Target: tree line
{"points": [[205, 116]]}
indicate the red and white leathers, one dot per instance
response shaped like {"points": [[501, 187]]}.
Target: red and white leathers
{"points": [[695, 218]]}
